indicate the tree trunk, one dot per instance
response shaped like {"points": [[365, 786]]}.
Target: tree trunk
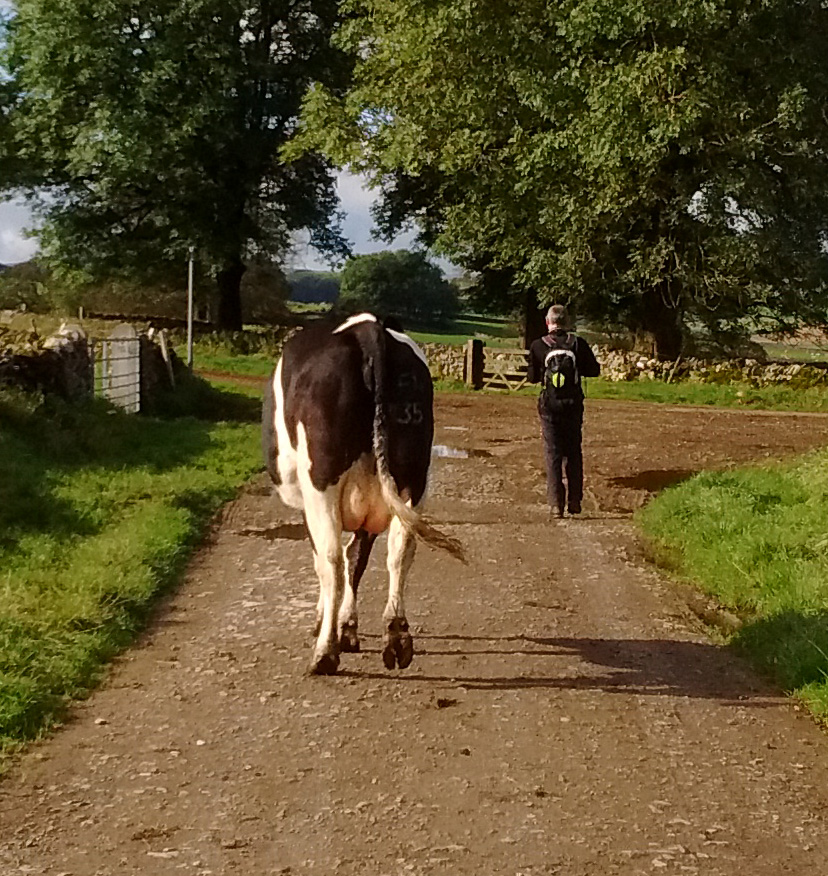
{"points": [[229, 288], [664, 324], [534, 319]]}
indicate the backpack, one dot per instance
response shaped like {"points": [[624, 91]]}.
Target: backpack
{"points": [[561, 380]]}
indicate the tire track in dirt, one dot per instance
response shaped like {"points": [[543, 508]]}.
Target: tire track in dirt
{"points": [[565, 713]]}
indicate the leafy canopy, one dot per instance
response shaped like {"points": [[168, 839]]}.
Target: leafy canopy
{"points": [[652, 161], [155, 125]]}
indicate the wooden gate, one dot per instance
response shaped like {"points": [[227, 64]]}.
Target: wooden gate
{"points": [[495, 367]]}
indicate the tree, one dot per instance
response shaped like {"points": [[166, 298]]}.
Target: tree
{"points": [[265, 291], [25, 286], [398, 283], [157, 125], [657, 165], [314, 287]]}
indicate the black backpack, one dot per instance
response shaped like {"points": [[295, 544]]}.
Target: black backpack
{"points": [[561, 380]]}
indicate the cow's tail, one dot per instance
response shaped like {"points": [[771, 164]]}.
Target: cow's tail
{"points": [[409, 517]]}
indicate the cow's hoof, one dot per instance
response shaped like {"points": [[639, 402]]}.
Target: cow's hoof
{"points": [[349, 640], [398, 647], [324, 664], [389, 654], [404, 649]]}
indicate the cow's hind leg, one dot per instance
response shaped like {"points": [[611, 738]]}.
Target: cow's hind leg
{"points": [[317, 625], [398, 646], [356, 556], [325, 527]]}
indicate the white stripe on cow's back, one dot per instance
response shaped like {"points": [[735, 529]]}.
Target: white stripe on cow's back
{"points": [[399, 336], [355, 320], [406, 340]]}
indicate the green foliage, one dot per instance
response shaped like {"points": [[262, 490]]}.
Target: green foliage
{"points": [[756, 539], [258, 344], [314, 287], [25, 287], [264, 294], [650, 163], [99, 512], [398, 283], [155, 125]]}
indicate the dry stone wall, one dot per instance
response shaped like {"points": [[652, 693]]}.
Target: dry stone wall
{"points": [[621, 365], [63, 363], [445, 362], [58, 365], [448, 362]]}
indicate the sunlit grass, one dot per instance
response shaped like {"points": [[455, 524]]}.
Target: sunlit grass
{"points": [[99, 513], [757, 540], [780, 397]]}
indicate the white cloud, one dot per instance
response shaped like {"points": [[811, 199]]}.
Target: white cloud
{"points": [[14, 245]]}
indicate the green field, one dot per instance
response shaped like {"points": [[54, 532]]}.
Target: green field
{"points": [[494, 332]]}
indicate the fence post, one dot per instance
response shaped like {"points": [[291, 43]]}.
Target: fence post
{"points": [[473, 366]]}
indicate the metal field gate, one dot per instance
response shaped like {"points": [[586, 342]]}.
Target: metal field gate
{"points": [[117, 368]]}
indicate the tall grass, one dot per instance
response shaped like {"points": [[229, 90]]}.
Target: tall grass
{"points": [[99, 512], [757, 540]]}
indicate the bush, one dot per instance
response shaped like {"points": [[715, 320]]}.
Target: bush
{"points": [[401, 283]]}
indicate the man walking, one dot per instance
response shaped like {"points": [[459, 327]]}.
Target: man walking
{"points": [[558, 361]]}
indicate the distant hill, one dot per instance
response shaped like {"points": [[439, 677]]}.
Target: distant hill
{"points": [[314, 287]]}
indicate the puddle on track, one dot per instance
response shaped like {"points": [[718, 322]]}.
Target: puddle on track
{"points": [[445, 452]]}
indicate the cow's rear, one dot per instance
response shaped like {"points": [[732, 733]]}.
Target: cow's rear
{"points": [[347, 432]]}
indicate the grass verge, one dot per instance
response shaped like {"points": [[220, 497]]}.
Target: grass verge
{"points": [[757, 541], [730, 395], [99, 513]]}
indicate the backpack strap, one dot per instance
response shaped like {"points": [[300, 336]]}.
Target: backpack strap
{"points": [[571, 342]]}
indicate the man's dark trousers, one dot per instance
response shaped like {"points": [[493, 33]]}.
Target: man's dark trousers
{"points": [[562, 444]]}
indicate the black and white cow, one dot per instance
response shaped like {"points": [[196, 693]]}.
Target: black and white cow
{"points": [[347, 431]]}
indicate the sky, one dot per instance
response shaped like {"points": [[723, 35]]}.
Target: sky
{"points": [[355, 197], [356, 200]]}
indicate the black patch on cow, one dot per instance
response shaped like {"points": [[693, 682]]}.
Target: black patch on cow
{"points": [[409, 418], [358, 553], [331, 381], [393, 323]]}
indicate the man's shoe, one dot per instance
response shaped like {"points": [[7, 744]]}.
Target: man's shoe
{"points": [[558, 512], [574, 508]]}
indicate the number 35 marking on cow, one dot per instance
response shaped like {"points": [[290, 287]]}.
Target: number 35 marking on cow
{"points": [[411, 414]]}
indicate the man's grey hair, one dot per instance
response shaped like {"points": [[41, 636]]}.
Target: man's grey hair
{"points": [[557, 317]]}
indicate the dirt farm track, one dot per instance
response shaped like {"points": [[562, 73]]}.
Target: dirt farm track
{"points": [[565, 712]]}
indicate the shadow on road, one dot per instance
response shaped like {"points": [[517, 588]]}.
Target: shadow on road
{"points": [[644, 667], [653, 481]]}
